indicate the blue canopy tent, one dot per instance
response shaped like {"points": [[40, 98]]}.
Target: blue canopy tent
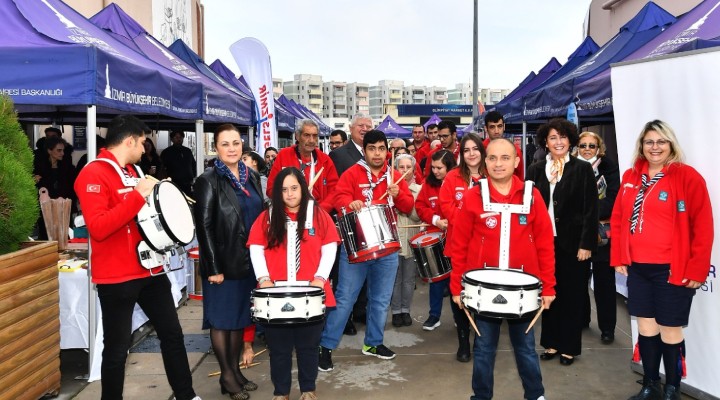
{"points": [[392, 129], [302, 112], [695, 29], [433, 120], [219, 104], [58, 65], [553, 100], [285, 119], [512, 106]]}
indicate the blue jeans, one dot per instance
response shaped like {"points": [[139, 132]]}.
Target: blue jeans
{"points": [[380, 275], [437, 291], [526, 358]]}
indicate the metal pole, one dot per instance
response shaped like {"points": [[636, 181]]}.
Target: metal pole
{"points": [[199, 146], [475, 62], [523, 147], [91, 118]]}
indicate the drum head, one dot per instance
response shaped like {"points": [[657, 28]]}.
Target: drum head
{"points": [[502, 278], [288, 291], [175, 212], [423, 239]]}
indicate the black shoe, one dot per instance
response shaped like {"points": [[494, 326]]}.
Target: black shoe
{"points": [[546, 355], [649, 391], [350, 329], [241, 395], [463, 352], [566, 361], [379, 351], [672, 392], [397, 320], [431, 323], [607, 337], [325, 363], [407, 319]]}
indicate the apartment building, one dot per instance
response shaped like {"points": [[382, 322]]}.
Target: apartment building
{"points": [[436, 95], [277, 87], [306, 89], [335, 99], [385, 92], [358, 98], [462, 94], [414, 95]]}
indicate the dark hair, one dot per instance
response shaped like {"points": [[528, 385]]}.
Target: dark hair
{"points": [[447, 125], [464, 169], [153, 149], [278, 217], [176, 132], [399, 149], [563, 128], [447, 159], [493, 116], [122, 127], [261, 164], [270, 149], [374, 136], [53, 141], [222, 128], [431, 126], [340, 132], [53, 129]]}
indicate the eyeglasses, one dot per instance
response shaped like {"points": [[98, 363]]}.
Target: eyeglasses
{"points": [[443, 136], [587, 146], [652, 143]]}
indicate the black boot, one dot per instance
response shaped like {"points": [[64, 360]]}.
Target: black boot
{"points": [[651, 390], [463, 353], [673, 360], [672, 392]]}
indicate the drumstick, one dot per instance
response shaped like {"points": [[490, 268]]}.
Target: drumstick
{"points": [[398, 181], [317, 176], [534, 320], [414, 226], [242, 366], [154, 179], [472, 321]]}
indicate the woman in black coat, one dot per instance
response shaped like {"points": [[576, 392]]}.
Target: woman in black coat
{"points": [[229, 199], [591, 148], [569, 190]]}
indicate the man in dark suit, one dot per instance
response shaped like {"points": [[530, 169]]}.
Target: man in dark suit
{"points": [[347, 155]]}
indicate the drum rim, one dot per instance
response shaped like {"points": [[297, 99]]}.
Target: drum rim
{"points": [[502, 286], [288, 321], [439, 239], [166, 226], [490, 314], [313, 292]]}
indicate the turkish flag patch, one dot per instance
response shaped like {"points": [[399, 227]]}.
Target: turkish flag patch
{"points": [[93, 188]]}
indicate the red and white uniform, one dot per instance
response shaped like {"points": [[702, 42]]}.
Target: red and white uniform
{"points": [[520, 170], [428, 162], [477, 238], [422, 151], [354, 183], [110, 208], [325, 185], [322, 233], [427, 204], [452, 195]]}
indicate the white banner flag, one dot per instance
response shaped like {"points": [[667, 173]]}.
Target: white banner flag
{"points": [[253, 59]]}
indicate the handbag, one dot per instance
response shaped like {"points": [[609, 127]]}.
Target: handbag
{"points": [[603, 233]]}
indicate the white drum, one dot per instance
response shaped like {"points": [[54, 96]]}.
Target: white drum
{"points": [[501, 293], [166, 221], [282, 305]]}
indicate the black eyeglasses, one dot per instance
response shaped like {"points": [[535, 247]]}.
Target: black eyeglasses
{"points": [[443, 136], [587, 146]]}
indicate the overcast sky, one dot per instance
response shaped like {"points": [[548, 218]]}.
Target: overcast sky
{"points": [[420, 42]]}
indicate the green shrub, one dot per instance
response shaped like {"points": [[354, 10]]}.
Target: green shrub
{"points": [[18, 197]]}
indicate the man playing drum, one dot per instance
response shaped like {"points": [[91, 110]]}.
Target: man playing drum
{"points": [[110, 203], [366, 182], [477, 245]]}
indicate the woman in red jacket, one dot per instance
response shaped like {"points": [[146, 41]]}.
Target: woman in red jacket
{"points": [[662, 229], [452, 192], [428, 209], [268, 245]]}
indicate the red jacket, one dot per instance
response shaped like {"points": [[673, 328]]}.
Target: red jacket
{"points": [[520, 170], [354, 181], [452, 194], [477, 238], [428, 162], [692, 230], [423, 151], [109, 208], [427, 204], [324, 186]]}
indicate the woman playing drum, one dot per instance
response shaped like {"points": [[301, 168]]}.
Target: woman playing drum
{"points": [[317, 242]]}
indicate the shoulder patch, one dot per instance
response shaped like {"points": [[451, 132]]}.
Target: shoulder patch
{"points": [[93, 188]]}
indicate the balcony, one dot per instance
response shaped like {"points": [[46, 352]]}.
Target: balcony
{"points": [[418, 97], [316, 102], [395, 96], [315, 91]]}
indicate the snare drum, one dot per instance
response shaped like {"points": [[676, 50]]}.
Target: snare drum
{"points": [[282, 305], [428, 248], [501, 293], [370, 233], [166, 220]]}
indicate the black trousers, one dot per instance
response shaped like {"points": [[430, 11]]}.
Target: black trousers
{"points": [[154, 297], [603, 290], [304, 339]]}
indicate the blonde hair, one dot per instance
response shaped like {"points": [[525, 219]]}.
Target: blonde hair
{"points": [[665, 132], [598, 139]]}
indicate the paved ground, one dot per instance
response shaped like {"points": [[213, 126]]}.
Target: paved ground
{"points": [[424, 369]]}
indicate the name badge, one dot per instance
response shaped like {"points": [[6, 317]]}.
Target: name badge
{"points": [[663, 196], [681, 206], [522, 219]]}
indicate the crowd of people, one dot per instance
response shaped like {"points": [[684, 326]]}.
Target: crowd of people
{"points": [[274, 220]]}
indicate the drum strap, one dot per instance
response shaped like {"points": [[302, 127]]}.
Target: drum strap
{"points": [[311, 164], [293, 250], [505, 211], [127, 180]]}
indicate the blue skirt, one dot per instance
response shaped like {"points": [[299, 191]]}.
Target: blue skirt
{"points": [[227, 305]]}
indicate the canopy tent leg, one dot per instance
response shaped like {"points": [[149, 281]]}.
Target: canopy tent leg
{"points": [[199, 146], [251, 137], [523, 147], [92, 294]]}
